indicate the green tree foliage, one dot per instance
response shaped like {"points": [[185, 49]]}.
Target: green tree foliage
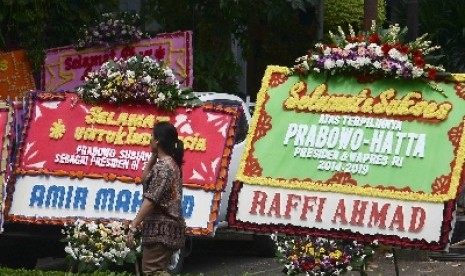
{"points": [[214, 65], [269, 31], [444, 21], [343, 13], [37, 25]]}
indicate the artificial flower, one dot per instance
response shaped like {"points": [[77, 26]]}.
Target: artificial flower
{"points": [[378, 52], [310, 255], [112, 29], [135, 79], [95, 245]]}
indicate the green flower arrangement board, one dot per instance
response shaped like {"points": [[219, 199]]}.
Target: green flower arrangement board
{"points": [[336, 157], [401, 156]]}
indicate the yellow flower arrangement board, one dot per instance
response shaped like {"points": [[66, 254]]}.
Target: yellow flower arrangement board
{"points": [[376, 158], [15, 75]]}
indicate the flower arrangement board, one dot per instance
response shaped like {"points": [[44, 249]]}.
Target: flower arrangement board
{"points": [[64, 68], [77, 160], [332, 156], [16, 78], [6, 135]]}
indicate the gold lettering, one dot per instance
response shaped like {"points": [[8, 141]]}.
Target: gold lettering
{"points": [[319, 100], [3, 65], [99, 116]]}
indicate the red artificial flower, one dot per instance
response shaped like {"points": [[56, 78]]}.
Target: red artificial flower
{"points": [[350, 38], [374, 38], [386, 48], [397, 45], [360, 38], [160, 53], [432, 74], [305, 266], [419, 62], [404, 49], [300, 71], [417, 53]]}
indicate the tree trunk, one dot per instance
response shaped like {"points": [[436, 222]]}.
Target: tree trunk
{"points": [[370, 11], [412, 19], [394, 11], [320, 11]]}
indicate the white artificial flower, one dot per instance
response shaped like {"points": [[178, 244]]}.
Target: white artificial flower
{"points": [[407, 66], [130, 74], [147, 79], [395, 54], [327, 51], [305, 65], [69, 251], [329, 64], [147, 59], [92, 227]]}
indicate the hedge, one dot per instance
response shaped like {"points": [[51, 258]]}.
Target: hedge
{"points": [[24, 272]]}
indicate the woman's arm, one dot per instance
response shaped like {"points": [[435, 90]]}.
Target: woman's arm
{"points": [[145, 209]]}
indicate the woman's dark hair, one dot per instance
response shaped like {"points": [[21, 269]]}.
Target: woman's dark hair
{"points": [[167, 136]]}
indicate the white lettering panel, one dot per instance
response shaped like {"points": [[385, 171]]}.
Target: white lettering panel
{"points": [[61, 198], [329, 211]]}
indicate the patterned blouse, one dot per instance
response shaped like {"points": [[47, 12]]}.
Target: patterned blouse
{"points": [[163, 186]]}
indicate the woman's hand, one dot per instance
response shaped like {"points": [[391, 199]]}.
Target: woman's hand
{"points": [[131, 242]]}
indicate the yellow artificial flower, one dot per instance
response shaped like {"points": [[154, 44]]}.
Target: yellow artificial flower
{"points": [[57, 130], [118, 80]]}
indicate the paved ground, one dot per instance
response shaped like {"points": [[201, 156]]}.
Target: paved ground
{"points": [[236, 258], [416, 262]]}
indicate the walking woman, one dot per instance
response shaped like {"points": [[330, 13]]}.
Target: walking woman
{"points": [[160, 215]]}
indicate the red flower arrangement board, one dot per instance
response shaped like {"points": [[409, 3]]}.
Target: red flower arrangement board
{"points": [[6, 135], [16, 78], [64, 68], [76, 160], [373, 160]]}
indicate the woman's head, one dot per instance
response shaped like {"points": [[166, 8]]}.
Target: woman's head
{"points": [[165, 138]]}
